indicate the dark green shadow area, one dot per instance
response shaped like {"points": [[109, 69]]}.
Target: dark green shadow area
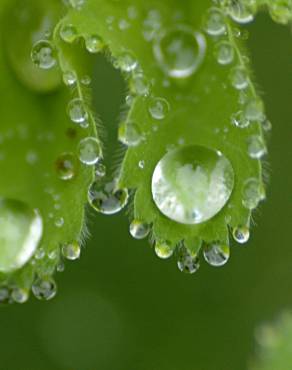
{"points": [[121, 308]]}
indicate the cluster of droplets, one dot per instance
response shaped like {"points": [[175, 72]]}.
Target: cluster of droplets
{"points": [[251, 110]]}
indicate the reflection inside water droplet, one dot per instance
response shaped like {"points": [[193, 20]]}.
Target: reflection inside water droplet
{"points": [[216, 254], [192, 184], [139, 229], [106, 198]]}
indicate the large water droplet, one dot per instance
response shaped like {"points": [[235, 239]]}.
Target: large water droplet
{"points": [[71, 251], [158, 108], [106, 198], [241, 234], [21, 229], [44, 288], [89, 151], [252, 193], [216, 254], [139, 229], [215, 22], [180, 51], [192, 184], [186, 262], [43, 54], [66, 166], [163, 249]]}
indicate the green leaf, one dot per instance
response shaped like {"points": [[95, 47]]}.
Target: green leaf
{"points": [[192, 111], [201, 105]]}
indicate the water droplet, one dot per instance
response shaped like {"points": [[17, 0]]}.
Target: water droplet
{"points": [[224, 52], [254, 110], [71, 251], [215, 22], [141, 164], [86, 80], [267, 125], [241, 13], [192, 184], [280, 11], [100, 170], [89, 151], [186, 262], [129, 134], [180, 51], [61, 266], [44, 288], [69, 78], [256, 147], [53, 254], [21, 229], [94, 44], [43, 54], [252, 193], [66, 166], [126, 62], [239, 120], [22, 26], [139, 229], [106, 198], [68, 33], [158, 108], [239, 78], [140, 84], [163, 249], [129, 100], [59, 222], [77, 111], [216, 254], [241, 234], [19, 295], [39, 254]]}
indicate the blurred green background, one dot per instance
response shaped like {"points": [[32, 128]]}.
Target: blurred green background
{"points": [[122, 308]]}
